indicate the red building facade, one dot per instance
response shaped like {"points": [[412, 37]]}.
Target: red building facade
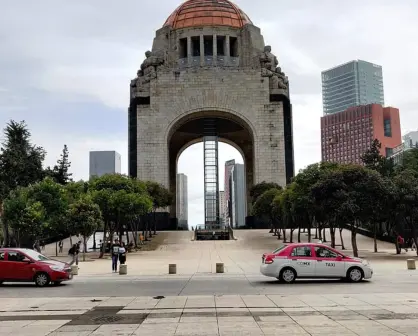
{"points": [[345, 136]]}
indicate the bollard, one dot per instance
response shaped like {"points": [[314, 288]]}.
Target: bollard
{"points": [[172, 268], [219, 267], [410, 264], [123, 269], [74, 270]]}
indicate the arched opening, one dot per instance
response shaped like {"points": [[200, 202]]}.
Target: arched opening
{"points": [[230, 129], [195, 188]]}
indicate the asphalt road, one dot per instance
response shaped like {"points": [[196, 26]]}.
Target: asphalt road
{"points": [[209, 285]]}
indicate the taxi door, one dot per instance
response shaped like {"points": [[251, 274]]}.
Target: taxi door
{"points": [[328, 264], [302, 260], [18, 267]]}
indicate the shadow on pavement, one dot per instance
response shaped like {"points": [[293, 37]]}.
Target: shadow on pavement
{"points": [[307, 282]]}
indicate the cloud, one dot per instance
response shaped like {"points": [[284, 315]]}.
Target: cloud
{"points": [[66, 66]]}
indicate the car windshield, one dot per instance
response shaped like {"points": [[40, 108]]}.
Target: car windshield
{"points": [[279, 249], [35, 255]]}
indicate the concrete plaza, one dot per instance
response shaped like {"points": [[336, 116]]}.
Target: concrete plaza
{"points": [[313, 314]]}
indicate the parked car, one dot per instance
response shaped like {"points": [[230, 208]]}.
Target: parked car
{"points": [[313, 261], [24, 265]]}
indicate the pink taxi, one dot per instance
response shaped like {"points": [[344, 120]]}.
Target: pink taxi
{"points": [[311, 260]]}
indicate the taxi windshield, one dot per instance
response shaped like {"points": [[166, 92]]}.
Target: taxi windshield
{"points": [[279, 249], [35, 255]]}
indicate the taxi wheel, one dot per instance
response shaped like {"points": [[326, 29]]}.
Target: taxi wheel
{"points": [[355, 274], [288, 275], [42, 279]]}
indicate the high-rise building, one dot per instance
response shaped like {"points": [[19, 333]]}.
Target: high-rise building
{"points": [[236, 197], [410, 140], [352, 84], [182, 201], [222, 208], [104, 162], [345, 136]]}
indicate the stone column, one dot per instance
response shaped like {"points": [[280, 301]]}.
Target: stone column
{"points": [[189, 51], [215, 49], [227, 50], [202, 51]]}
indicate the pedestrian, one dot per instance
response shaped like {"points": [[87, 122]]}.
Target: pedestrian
{"points": [[122, 254], [42, 245], [36, 246], [61, 246], [71, 253], [114, 250], [413, 245], [401, 241]]}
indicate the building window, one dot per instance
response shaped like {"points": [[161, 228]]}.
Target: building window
{"points": [[183, 47], [220, 45], [233, 45], [208, 42], [387, 128], [195, 46]]}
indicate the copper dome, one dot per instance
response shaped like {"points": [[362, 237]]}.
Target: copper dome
{"points": [[198, 13]]}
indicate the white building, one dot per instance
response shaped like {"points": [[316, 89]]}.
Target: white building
{"points": [[222, 208], [182, 202], [410, 140], [104, 162]]}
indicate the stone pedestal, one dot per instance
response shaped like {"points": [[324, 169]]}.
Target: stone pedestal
{"points": [[123, 269], [219, 268], [74, 269], [172, 269], [410, 263]]}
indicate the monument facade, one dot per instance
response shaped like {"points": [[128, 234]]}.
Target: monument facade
{"points": [[209, 65]]}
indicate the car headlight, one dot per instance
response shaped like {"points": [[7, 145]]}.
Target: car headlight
{"points": [[56, 268]]}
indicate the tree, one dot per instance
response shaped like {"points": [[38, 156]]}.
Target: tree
{"points": [[263, 207], [86, 216], [409, 162], [20, 162], [161, 198], [60, 173], [257, 190], [373, 160], [23, 216]]}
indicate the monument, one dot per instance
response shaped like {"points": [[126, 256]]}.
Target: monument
{"points": [[209, 73]]}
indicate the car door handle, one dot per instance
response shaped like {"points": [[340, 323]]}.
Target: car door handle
{"points": [[319, 260], [294, 259]]}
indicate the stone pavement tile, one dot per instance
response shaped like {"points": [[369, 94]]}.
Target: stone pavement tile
{"points": [[232, 301], [394, 324], [115, 329], [233, 311], [200, 302], [399, 309], [331, 308], [246, 319], [199, 311], [15, 324], [172, 302], [43, 313], [329, 331], [316, 300], [133, 311], [77, 328], [57, 323], [250, 329], [287, 301], [290, 310], [280, 319], [361, 308], [116, 302], [315, 321], [196, 319], [254, 301], [209, 328], [269, 311], [142, 303], [165, 311], [149, 320], [70, 333], [164, 329], [273, 328], [344, 300], [36, 330]]}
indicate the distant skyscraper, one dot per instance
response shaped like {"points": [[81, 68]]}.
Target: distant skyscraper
{"points": [[182, 201], [222, 208], [352, 84], [235, 195], [345, 136], [104, 162]]}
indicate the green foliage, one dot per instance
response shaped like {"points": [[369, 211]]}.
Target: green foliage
{"points": [[86, 216], [264, 203], [373, 160], [60, 173], [260, 188], [160, 196], [409, 162]]}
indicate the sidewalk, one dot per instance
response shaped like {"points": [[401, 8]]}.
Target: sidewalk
{"points": [[355, 314]]}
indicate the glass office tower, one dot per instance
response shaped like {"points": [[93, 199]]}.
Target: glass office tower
{"points": [[352, 84]]}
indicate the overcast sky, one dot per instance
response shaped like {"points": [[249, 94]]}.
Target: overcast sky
{"points": [[65, 68]]}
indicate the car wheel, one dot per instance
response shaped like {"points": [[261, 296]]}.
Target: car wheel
{"points": [[288, 275], [355, 274], [42, 279]]}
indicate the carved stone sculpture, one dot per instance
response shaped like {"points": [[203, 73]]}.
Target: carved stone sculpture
{"points": [[268, 60], [140, 86]]}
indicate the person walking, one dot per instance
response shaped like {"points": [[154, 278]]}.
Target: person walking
{"points": [[401, 241], [36, 246], [71, 253], [61, 246], [122, 254], [115, 255]]}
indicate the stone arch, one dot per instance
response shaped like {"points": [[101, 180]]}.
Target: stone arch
{"points": [[234, 129]]}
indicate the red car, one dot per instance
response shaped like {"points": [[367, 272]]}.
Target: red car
{"points": [[24, 265]]}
